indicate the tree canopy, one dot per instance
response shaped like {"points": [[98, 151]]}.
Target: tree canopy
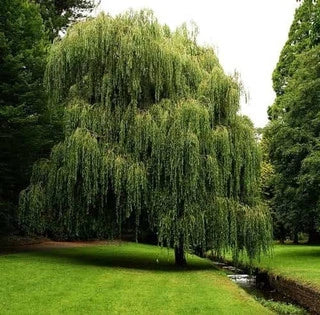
{"points": [[293, 134], [27, 129], [304, 33], [58, 15], [151, 130], [294, 148], [22, 62]]}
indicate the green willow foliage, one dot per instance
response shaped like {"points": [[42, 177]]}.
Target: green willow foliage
{"points": [[151, 128]]}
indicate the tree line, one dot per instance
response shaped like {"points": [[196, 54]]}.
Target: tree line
{"points": [[291, 139]]}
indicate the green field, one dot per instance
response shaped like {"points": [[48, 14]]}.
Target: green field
{"points": [[116, 279], [298, 262]]}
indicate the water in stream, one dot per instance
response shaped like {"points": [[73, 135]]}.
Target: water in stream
{"points": [[253, 285]]}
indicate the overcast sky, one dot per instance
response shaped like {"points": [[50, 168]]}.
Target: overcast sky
{"points": [[248, 36]]}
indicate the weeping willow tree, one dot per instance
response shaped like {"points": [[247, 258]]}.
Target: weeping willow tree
{"points": [[152, 131]]}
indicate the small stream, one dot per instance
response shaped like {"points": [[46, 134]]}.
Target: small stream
{"points": [[255, 285]]}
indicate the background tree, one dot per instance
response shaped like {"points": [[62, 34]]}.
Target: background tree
{"points": [[267, 181], [151, 130], [22, 61], [300, 38], [293, 133], [27, 129], [304, 33], [58, 15], [295, 147]]}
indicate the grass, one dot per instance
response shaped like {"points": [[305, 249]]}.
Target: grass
{"points": [[282, 308], [116, 279], [298, 262]]}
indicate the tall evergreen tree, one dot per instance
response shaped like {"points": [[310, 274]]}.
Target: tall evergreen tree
{"points": [[22, 62], [27, 129], [304, 33], [152, 130], [58, 15], [293, 132], [294, 149]]}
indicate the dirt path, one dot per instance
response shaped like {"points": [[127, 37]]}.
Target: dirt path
{"points": [[8, 246]]}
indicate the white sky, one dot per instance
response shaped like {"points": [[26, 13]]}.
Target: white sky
{"points": [[248, 36]]}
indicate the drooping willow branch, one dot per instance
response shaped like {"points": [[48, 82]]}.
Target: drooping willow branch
{"points": [[152, 130]]}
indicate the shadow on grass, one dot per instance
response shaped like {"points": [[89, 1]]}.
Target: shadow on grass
{"points": [[118, 259]]}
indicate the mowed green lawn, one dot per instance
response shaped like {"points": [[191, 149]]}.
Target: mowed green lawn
{"points": [[116, 279], [298, 262]]}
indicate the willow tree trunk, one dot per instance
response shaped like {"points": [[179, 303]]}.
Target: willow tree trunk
{"points": [[179, 254], [180, 258]]}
